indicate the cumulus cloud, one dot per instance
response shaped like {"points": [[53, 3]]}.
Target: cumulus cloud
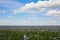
{"points": [[53, 13], [38, 7], [32, 8]]}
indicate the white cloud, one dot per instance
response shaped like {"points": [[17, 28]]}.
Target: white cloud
{"points": [[32, 8], [38, 7], [28, 22], [53, 13], [7, 21], [3, 22]]}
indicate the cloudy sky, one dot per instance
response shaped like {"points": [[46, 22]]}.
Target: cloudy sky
{"points": [[29, 12]]}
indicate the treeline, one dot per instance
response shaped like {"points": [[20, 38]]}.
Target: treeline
{"points": [[30, 34]]}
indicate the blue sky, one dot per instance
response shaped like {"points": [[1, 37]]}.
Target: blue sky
{"points": [[29, 12]]}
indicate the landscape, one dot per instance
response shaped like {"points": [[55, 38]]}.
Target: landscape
{"points": [[29, 32], [29, 19]]}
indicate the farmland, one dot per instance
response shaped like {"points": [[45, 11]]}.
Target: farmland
{"points": [[32, 33]]}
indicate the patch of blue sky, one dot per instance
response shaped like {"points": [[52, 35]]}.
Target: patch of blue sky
{"points": [[23, 16], [10, 4], [44, 0], [26, 1], [4, 14]]}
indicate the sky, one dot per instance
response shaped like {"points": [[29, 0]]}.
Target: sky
{"points": [[30, 12]]}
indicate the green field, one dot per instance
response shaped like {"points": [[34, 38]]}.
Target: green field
{"points": [[31, 34]]}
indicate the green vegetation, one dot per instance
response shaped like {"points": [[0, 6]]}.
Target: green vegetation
{"points": [[31, 34]]}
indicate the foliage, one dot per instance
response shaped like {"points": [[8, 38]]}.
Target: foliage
{"points": [[31, 34]]}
